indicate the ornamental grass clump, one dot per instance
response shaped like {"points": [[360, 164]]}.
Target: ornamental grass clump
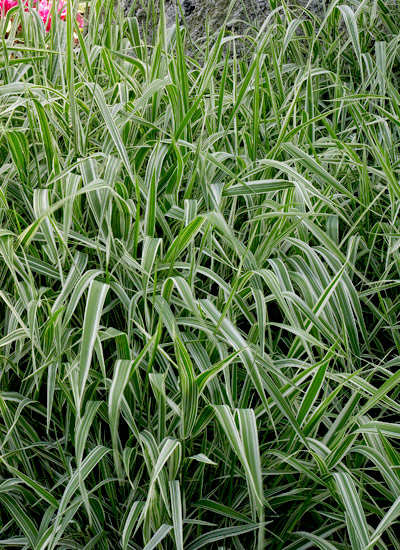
{"points": [[199, 281]]}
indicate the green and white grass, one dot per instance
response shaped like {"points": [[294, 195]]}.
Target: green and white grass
{"points": [[199, 274]]}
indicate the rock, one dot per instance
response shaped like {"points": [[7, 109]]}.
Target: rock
{"points": [[197, 12]]}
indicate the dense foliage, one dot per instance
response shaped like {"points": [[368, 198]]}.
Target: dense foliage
{"points": [[199, 282]]}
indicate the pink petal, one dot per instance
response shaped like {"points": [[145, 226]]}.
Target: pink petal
{"points": [[6, 5]]}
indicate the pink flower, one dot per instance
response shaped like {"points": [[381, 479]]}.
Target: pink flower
{"points": [[45, 13], [63, 14], [6, 5], [44, 9]]}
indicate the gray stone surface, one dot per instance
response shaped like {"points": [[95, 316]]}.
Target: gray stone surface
{"points": [[197, 12]]}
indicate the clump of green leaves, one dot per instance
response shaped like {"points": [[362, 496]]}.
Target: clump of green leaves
{"points": [[199, 282]]}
